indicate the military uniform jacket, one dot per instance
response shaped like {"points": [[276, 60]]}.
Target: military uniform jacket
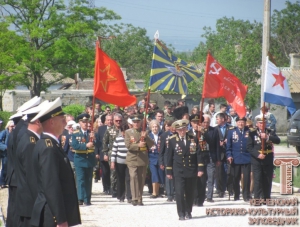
{"points": [[236, 146], [184, 160], [108, 139], [56, 185], [14, 138], [254, 146], [163, 147], [99, 141], [25, 181], [203, 144], [85, 159], [135, 155]]}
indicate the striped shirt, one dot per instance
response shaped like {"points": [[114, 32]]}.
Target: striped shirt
{"points": [[119, 151]]}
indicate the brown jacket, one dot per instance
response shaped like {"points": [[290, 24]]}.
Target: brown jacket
{"points": [[135, 156]]}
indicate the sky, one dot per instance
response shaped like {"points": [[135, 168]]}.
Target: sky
{"points": [[181, 22]]}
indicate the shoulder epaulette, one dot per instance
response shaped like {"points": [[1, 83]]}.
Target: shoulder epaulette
{"points": [[231, 127], [48, 143], [32, 139], [252, 129], [76, 131], [173, 136]]}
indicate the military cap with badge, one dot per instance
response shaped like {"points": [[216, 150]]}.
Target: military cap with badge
{"points": [[83, 117]]}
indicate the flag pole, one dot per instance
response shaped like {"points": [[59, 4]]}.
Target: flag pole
{"points": [[263, 128]]}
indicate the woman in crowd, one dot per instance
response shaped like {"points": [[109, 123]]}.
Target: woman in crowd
{"points": [[156, 173], [3, 151], [118, 162]]}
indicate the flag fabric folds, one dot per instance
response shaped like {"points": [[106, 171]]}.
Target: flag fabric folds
{"points": [[170, 73], [219, 82], [276, 88], [109, 82]]}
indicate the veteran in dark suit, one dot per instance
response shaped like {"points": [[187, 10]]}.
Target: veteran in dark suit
{"points": [[26, 183], [138, 143], [14, 138], [262, 157], [184, 164], [84, 159], [239, 157], [56, 203]]}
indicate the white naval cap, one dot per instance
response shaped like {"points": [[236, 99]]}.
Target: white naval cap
{"points": [[29, 104], [16, 115], [32, 112], [52, 109], [71, 122]]}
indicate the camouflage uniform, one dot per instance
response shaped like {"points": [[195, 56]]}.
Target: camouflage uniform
{"points": [[108, 140]]}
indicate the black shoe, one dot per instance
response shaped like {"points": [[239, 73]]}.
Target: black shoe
{"points": [[246, 200], [80, 202], [236, 199], [129, 200], [134, 202], [188, 216], [121, 200], [221, 195], [181, 218], [96, 180], [200, 204], [210, 200], [87, 204], [114, 195], [153, 196], [169, 200]]}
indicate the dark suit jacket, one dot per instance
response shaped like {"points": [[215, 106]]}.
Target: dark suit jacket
{"points": [[23, 163], [57, 200], [184, 160], [220, 150], [99, 141]]}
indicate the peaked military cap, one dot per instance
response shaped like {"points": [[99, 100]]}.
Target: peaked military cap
{"points": [[180, 124], [32, 112], [52, 109], [29, 104], [153, 102], [259, 118], [240, 119], [196, 117], [137, 117], [83, 117]]}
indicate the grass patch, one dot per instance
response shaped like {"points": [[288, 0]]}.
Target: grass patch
{"points": [[296, 179]]}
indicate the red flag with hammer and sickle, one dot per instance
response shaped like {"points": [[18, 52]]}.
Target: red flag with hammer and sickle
{"points": [[219, 82], [109, 82]]}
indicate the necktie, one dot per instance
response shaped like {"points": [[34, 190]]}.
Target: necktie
{"points": [[182, 139], [85, 135], [241, 132]]}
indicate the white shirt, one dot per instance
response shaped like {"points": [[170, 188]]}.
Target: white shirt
{"points": [[51, 135], [38, 136]]}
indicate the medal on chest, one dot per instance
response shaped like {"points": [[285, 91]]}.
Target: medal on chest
{"points": [[132, 140], [192, 146], [178, 148], [153, 148], [235, 137], [257, 139]]}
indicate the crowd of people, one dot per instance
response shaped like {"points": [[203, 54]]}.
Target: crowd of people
{"points": [[180, 155]]}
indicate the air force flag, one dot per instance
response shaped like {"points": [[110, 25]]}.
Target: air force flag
{"points": [[276, 89]]}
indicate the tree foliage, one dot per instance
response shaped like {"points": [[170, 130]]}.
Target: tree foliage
{"points": [[57, 38], [285, 33], [132, 49]]}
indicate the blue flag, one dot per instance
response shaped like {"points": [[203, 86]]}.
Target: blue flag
{"points": [[170, 73]]}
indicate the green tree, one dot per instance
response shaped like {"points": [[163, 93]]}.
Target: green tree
{"points": [[57, 38], [236, 44], [132, 49], [285, 33], [10, 58]]}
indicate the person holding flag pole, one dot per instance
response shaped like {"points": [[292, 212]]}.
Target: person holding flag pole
{"points": [[261, 139]]}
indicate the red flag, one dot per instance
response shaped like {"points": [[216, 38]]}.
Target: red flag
{"points": [[109, 83], [219, 82]]}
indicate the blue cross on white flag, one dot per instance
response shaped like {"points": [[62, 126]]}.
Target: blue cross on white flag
{"points": [[276, 89]]}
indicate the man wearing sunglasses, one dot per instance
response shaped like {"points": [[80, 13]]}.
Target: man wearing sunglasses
{"points": [[108, 140]]}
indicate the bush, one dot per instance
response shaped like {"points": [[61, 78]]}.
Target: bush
{"points": [[74, 109], [4, 116]]}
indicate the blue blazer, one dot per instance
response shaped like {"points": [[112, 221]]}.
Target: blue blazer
{"points": [[153, 153], [236, 146]]}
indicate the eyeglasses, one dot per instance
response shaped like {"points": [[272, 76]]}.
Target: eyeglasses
{"points": [[118, 120]]}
